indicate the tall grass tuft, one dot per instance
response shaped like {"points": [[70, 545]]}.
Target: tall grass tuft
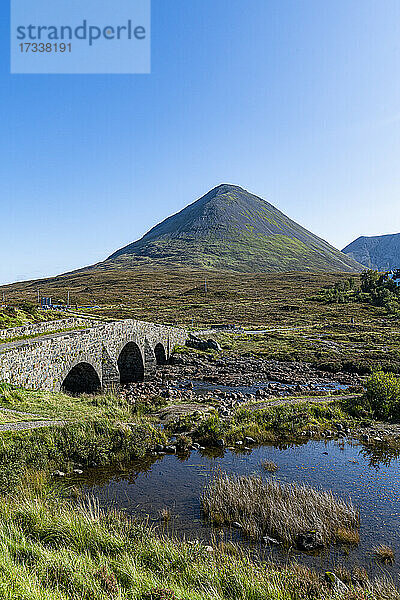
{"points": [[384, 554], [283, 511], [269, 466]]}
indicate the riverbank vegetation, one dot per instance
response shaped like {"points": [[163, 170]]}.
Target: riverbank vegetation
{"points": [[382, 396], [258, 420], [277, 423], [58, 405], [52, 549], [291, 419], [74, 445], [384, 554]]}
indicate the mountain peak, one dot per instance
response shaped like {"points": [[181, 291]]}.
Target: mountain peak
{"points": [[380, 252], [224, 188], [230, 228]]}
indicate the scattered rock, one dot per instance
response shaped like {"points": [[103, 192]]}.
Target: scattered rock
{"points": [[199, 344], [270, 540], [170, 449], [213, 345], [309, 541], [58, 474], [249, 440], [338, 586]]}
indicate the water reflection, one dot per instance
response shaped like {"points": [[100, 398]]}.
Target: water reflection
{"points": [[144, 488], [381, 454]]}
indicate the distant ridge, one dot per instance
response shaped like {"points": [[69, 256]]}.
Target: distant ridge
{"points": [[381, 252], [232, 229]]}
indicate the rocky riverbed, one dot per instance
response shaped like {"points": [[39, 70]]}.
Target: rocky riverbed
{"points": [[242, 370], [195, 385], [229, 381]]}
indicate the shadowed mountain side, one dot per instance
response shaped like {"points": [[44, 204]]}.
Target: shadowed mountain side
{"points": [[380, 252]]}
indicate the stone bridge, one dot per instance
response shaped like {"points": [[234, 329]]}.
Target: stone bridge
{"points": [[97, 358]]}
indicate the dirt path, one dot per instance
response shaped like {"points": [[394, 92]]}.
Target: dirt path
{"points": [[26, 425], [36, 423]]}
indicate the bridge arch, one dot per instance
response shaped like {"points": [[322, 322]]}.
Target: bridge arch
{"points": [[82, 378], [130, 364], [160, 354]]}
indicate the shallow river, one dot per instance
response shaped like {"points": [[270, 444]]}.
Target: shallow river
{"points": [[145, 487]]}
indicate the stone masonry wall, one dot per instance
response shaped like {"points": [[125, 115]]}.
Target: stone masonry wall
{"points": [[42, 328], [44, 363]]}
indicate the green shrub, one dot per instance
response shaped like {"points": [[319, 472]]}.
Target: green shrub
{"points": [[383, 395], [210, 430]]}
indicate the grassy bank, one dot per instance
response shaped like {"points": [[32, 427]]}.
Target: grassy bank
{"points": [[92, 442], [52, 550], [97, 430], [25, 312], [299, 420], [258, 420], [61, 406], [280, 423]]}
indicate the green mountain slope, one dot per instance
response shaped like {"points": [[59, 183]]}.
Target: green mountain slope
{"points": [[380, 252], [231, 229]]}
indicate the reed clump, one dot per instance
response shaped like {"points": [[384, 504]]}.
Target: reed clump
{"points": [[287, 512], [384, 554], [269, 466], [351, 537], [166, 514]]}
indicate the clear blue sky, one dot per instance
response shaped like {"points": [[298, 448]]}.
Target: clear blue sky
{"points": [[296, 100]]}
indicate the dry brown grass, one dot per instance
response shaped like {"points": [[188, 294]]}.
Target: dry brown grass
{"points": [[282, 511], [270, 466], [176, 295], [347, 536], [384, 554], [165, 514]]}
